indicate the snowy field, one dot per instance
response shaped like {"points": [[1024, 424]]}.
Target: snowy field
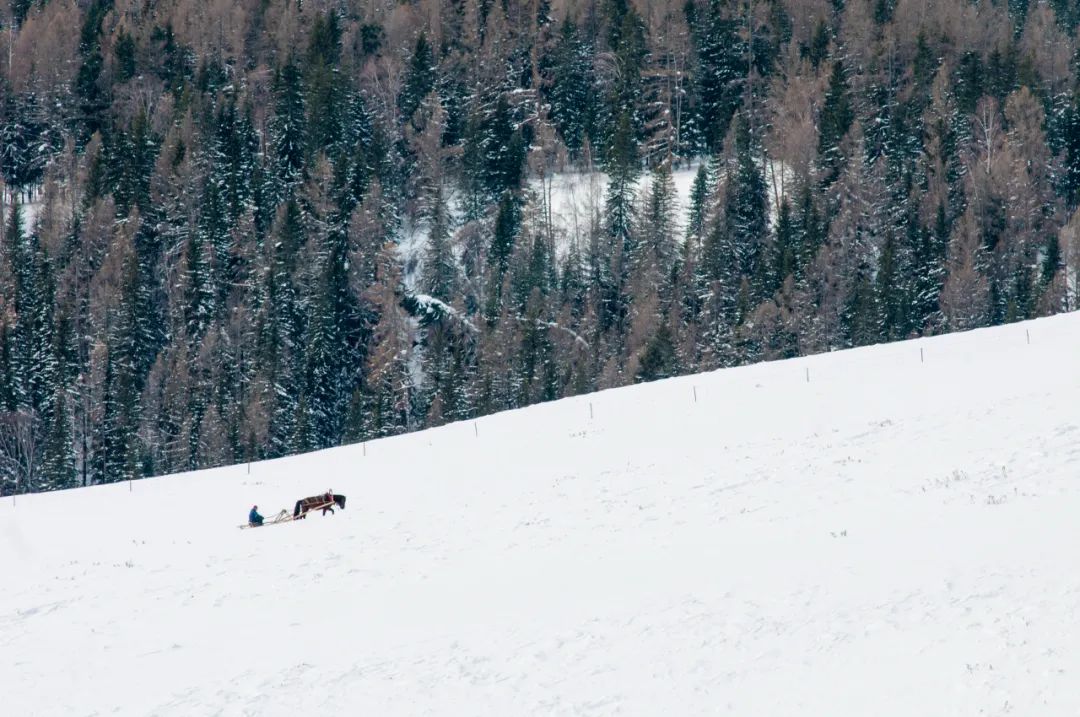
{"points": [[890, 537]]}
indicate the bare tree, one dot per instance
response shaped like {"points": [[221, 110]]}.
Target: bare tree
{"points": [[20, 451], [965, 298]]}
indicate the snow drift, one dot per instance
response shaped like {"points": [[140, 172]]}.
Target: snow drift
{"points": [[891, 531]]}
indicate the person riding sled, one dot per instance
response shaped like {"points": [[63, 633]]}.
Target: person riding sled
{"points": [[254, 519]]}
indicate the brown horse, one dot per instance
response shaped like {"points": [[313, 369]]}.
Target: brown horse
{"points": [[326, 502]]}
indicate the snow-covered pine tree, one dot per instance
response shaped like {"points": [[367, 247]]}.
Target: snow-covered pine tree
{"points": [[288, 129], [504, 234], [420, 79], [281, 329], [58, 449], [331, 345], [746, 220], [699, 196], [717, 75], [325, 97], [834, 122], [201, 295], [7, 371], [571, 89]]}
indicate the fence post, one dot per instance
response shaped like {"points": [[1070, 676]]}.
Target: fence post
{"points": [[1028, 333], [695, 394], [808, 374], [363, 447], [475, 429], [922, 358], [590, 410]]}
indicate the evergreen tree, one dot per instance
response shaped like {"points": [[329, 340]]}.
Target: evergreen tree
{"points": [[892, 291], [718, 74], [658, 233], [699, 194], [658, 359], [611, 259], [623, 172], [745, 214], [115, 442], [288, 131], [860, 317], [835, 121], [19, 10], [494, 151], [124, 54], [818, 49], [93, 100], [326, 98], [332, 347], [785, 252], [201, 298], [506, 228], [28, 142], [32, 360], [280, 331], [571, 92], [58, 452], [42, 378], [625, 96], [420, 79], [232, 158], [7, 372], [502, 248]]}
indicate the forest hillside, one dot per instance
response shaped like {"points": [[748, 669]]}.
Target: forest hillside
{"points": [[241, 229]]}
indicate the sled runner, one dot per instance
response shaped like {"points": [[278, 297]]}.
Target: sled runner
{"points": [[282, 517]]}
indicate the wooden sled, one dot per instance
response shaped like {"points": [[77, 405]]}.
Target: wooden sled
{"points": [[283, 517]]}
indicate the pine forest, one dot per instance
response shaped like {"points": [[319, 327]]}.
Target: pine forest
{"points": [[242, 229]]}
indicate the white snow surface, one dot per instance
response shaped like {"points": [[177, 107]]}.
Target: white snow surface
{"points": [[895, 536]]}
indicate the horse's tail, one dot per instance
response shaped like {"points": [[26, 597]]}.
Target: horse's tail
{"points": [[296, 512]]}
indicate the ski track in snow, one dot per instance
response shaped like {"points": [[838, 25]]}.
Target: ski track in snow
{"points": [[893, 537]]}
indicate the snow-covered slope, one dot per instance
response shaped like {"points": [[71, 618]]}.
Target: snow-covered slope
{"points": [[865, 532]]}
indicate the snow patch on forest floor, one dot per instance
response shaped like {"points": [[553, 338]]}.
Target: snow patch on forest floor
{"points": [[577, 198], [890, 530], [29, 203], [576, 201]]}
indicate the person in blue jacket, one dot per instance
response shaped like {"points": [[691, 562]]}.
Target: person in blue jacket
{"points": [[253, 517]]}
